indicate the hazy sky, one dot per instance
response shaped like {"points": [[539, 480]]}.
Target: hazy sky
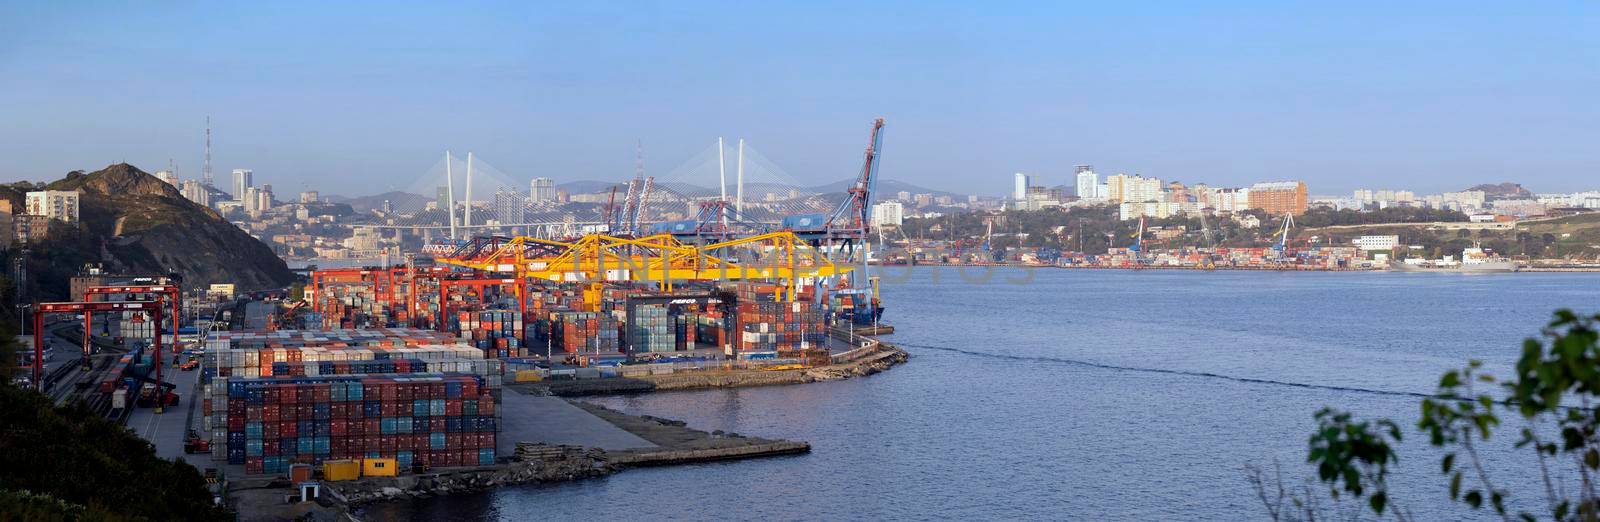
{"points": [[354, 99]]}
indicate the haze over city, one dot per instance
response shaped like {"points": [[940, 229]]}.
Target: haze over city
{"points": [[357, 99]]}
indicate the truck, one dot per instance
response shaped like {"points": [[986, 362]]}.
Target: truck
{"points": [[149, 393]]}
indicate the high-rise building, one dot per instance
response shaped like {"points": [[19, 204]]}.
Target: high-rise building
{"points": [[1088, 183], [196, 192], [250, 200], [167, 176], [1137, 189], [508, 207], [442, 198], [1279, 197], [542, 190], [60, 205], [242, 179], [264, 198], [1019, 191], [888, 213], [309, 196]]}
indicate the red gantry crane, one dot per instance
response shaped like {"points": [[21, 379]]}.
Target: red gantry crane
{"points": [[164, 293], [88, 310]]}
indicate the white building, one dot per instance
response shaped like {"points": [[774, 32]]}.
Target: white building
{"points": [[59, 205], [167, 176], [196, 192], [1019, 190], [542, 189], [1135, 189], [250, 201], [1371, 243], [888, 213], [242, 179], [310, 196], [1464, 200], [1088, 183]]}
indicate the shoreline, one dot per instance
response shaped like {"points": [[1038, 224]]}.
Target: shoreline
{"points": [[675, 443], [878, 358]]}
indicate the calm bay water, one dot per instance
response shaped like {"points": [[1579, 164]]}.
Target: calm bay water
{"points": [[1084, 395]]}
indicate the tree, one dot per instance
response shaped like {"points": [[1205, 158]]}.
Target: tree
{"points": [[1555, 389]]}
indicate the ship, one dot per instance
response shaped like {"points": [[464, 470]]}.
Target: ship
{"points": [[1473, 260]]}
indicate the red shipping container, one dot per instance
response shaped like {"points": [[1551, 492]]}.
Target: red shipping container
{"points": [[373, 426], [485, 405], [235, 423], [452, 441], [288, 394], [304, 411], [288, 429], [436, 425], [338, 410], [253, 465], [270, 447], [337, 428], [452, 407], [269, 431], [270, 412]]}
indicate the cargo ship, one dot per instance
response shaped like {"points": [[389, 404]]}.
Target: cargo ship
{"points": [[1473, 260]]}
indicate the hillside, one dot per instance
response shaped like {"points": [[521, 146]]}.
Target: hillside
{"points": [[133, 223]]}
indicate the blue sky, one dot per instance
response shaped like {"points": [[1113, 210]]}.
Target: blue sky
{"points": [[354, 98]]}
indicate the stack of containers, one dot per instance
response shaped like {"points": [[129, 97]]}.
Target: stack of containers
{"points": [[353, 304], [136, 325], [684, 327], [584, 332], [496, 332], [651, 329], [774, 327], [711, 328], [440, 420]]}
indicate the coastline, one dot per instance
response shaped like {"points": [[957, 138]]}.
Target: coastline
{"points": [[673, 442], [874, 359]]}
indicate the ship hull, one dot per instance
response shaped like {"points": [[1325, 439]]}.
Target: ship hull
{"points": [[1493, 267]]}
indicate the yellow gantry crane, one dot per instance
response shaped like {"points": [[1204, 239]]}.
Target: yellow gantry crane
{"points": [[773, 256]]}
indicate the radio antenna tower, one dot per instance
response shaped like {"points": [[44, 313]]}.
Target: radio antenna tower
{"points": [[638, 158], [205, 172]]}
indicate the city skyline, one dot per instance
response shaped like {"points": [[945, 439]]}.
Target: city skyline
{"points": [[1354, 96]]}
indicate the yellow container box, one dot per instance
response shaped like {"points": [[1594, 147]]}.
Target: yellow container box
{"points": [[528, 376], [345, 469], [380, 468]]}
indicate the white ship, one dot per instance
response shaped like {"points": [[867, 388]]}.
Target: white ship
{"points": [[1474, 259]]}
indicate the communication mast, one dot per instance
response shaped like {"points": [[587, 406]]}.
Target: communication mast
{"points": [[205, 173]]}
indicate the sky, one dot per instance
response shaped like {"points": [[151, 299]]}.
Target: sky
{"points": [[356, 99]]}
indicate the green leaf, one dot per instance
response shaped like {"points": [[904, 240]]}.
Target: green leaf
{"points": [[1455, 486], [1591, 458], [1450, 379], [1449, 461], [1474, 499], [1378, 501]]}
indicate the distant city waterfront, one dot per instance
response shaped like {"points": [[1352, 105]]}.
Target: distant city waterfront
{"points": [[1084, 395]]}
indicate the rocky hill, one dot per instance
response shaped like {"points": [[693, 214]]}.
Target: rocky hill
{"points": [[133, 223]]}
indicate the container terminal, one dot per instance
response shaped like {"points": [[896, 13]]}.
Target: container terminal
{"points": [[447, 363]]}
